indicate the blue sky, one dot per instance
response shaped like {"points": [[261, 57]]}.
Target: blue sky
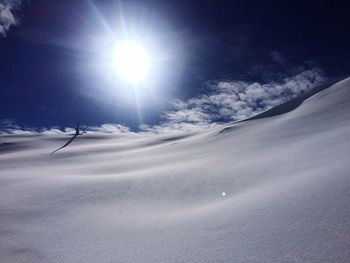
{"points": [[211, 61]]}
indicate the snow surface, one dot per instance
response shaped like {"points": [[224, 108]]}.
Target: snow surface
{"points": [[159, 197]]}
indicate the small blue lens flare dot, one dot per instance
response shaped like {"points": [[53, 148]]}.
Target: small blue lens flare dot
{"points": [[223, 194]]}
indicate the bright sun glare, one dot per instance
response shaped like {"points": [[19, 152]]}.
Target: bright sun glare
{"points": [[130, 61]]}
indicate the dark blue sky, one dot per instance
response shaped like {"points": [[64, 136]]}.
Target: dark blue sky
{"points": [[49, 77]]}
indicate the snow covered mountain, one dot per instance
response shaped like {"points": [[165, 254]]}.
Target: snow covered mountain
{"points": [[273, 188]]}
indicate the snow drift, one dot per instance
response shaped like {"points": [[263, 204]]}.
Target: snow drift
{"points": [[273, 188]]}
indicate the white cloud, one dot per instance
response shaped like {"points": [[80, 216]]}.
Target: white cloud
{"points": [[108, 128], [175, 127], [11, 127], [235, 100], [7, 17]]}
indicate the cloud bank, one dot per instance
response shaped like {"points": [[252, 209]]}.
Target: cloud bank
{"points": [[7, 15], [236, 100], [11, 127], [227, 101]]}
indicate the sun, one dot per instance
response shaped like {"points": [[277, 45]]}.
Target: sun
{"points": [[130, 61]]}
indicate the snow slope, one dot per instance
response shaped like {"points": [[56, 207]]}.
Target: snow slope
{"points": [[160, 198]]}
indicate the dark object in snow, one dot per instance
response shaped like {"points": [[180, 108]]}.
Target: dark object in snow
{"points": [[75, 135]]}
